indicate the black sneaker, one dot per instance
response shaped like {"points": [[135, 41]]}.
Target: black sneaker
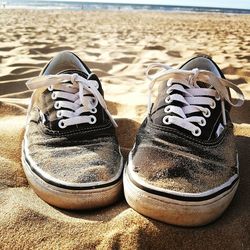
{"points": [[70, 152], [184, 168]]}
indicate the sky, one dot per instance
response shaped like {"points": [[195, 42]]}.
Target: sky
{"points": [[241, 4]]}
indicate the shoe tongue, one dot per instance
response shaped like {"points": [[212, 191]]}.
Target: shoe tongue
{"points": [[50, 112], [158, 113], [160, 103], [73, 71], [84, 75]]}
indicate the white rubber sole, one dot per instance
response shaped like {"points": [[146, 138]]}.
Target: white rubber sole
{"points": [[70, 198], [174, 211]]}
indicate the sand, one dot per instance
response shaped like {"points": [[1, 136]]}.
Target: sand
{"points": [[118, 46]]}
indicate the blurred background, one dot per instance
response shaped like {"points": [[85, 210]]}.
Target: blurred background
{"points": [[160, 5]]}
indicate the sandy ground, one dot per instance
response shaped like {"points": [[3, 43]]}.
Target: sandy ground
{"points": [[118, 46]]}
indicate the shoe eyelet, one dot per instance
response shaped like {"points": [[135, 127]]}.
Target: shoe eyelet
{"points": [[96, 85], [167, 109], [206, 112], [169, 82], [92, 101], [59, 114], [62, 124], [50, 88], [166, 120], [169, 91], [213, 105], [57, 105], [93, 110], [196, 132], [168, 99], [92, 119], [53, 96], [217, 97], [202, 122]]}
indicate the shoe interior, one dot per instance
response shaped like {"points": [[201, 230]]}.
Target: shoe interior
{"points": [[201, 63], [65, 61]]}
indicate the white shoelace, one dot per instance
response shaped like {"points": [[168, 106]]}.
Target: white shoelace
{"points": [[75, 91], [192, 96]]}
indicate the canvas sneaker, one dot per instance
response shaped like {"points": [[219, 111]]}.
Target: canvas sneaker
{"points": [[70, 152], [183, 168]]}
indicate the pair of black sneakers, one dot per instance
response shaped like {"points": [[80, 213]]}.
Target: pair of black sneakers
{"points": [[183, 168]]}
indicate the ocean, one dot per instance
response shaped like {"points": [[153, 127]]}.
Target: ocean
{"points": [[66, 5]]}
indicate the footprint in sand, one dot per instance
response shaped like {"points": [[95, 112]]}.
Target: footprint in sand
{"points": [[47, 49], [125, 59], [6, 49], [154, 47], [229, 70], [236, 79], [174, 53]]}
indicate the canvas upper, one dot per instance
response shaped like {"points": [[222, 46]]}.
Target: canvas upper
{"points": [[169, 155], [83, 153]]}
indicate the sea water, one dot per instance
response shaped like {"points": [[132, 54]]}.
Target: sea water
{"points": [[76, 5]]}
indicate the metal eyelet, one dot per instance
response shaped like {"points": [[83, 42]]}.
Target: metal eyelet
{"points": [[96, 85], [166, 120], [213, 105], [62, 124], [93, 110], [217, 97], [50, 88], [57, 105], [202, 122], [196, 132], [92, 100], [92, 119], [169, 82], [206, 112], [168, 99], [53, 96], [59, 114], [167, 109], [169, 91]]}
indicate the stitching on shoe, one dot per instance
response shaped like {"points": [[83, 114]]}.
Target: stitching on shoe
{"points": [[211, 144], [79, 141], [73, 132]]}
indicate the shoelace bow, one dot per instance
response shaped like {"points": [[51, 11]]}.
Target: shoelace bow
{"points": [[73, 91], [192, 96]]}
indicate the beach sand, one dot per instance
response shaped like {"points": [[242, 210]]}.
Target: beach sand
{"points": [[118, 46]]}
